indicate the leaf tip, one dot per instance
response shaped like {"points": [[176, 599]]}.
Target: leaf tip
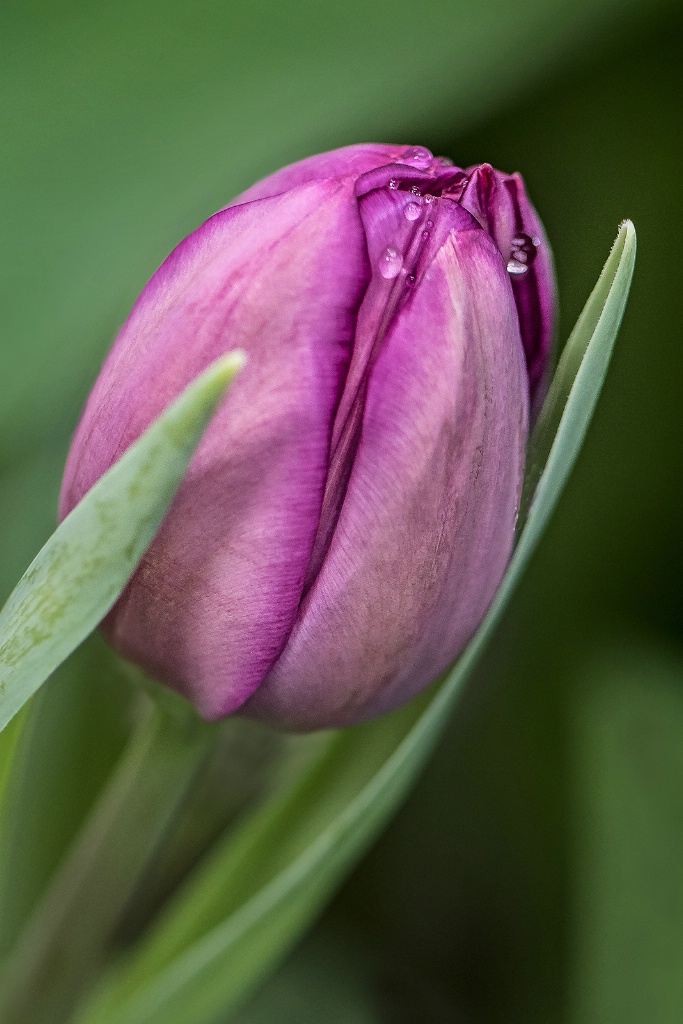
{"points": [[208, 389], [626, 237], [226, 368]]}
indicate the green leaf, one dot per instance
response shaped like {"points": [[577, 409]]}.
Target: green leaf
{"points": [[578, 369], [64, 941], [74, 731], [9, 741], [263, 885], [77, 576], [627, 774]]}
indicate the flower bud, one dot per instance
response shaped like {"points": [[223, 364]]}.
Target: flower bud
{"points": [[350, 511]]}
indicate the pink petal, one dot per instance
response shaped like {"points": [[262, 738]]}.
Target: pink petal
{"points": [[213, 601], [427, 519], [349, 161], [500, 204]]}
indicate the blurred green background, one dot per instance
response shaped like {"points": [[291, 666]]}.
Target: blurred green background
{"points": [[535, 873]]}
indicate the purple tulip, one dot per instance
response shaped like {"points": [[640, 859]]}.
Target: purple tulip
{"points": [[350, 511]]}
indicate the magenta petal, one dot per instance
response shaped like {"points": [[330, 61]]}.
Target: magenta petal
{"points": [[535, 295], [399, 249], [212, 604], [500, 204], [426, 527], [349, 161]]}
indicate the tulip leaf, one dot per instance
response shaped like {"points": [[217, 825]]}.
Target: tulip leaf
{"points": [[9, 742], [263, 884], [606, 303], [63, 941], [73, 732], [77, 576]]}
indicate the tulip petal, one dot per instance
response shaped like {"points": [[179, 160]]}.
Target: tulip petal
{"points": [[426, 526], [213, 602], [388, 234], [500, 204], [349, 161], [535, 295]]}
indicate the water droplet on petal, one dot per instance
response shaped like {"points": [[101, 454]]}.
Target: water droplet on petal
{"points": [[393, 183], [429, 224], [411, 211], [390, 263], [416, 190], [429, 199], [410, 280], [418, 156], [516, 268], [425, 234]]}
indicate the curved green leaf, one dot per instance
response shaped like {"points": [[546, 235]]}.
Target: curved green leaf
{"points": [[581, 370], [77, 576], [264, 884], [9, 742], [63, 942], [73, 733]]}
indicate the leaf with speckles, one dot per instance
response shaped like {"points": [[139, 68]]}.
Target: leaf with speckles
{"points": [[78, 575]]}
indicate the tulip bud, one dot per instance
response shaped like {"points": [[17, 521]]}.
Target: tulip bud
{"points": [[350, 511]]}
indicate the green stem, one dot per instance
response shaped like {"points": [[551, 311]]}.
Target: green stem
{"points": [[64, 942]]}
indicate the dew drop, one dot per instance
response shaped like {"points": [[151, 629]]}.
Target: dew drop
{"points": [[411, 211], [393, 184], [416, 190], [425, 234], [429, 224], [429, 199], [410, 280], [390, 263], [418, 156], [516, 268]]}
